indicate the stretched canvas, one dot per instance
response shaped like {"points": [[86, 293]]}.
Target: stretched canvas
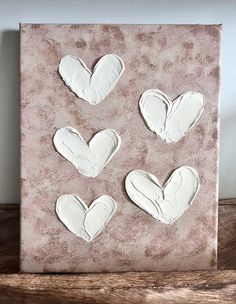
{"points": [[169, 60]]}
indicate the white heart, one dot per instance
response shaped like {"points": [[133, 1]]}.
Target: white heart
{"points": [[89, 159], [85, 222], [92, 87], [171, 120], [166, 203]]}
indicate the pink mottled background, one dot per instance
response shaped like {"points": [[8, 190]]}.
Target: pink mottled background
{"points": [[173, 58]]}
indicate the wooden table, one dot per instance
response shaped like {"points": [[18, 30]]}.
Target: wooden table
{"points": [[144, 287]]}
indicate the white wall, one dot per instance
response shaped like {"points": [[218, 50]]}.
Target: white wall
{"points": [[110, 11]]}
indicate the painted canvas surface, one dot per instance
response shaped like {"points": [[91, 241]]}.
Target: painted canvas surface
{"points": [[172, 58]]}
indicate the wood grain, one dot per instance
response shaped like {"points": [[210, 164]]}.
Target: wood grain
{"points": [[9, 238], [160, 287], [227, 237]]}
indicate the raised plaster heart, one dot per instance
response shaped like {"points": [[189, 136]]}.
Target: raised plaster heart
{"points": [[171, 120], [92, 87], [85, 222], [166, 203], [89, 159]]}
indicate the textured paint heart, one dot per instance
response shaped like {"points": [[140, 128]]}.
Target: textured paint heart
{"points": [[85, 222], [166, 203], [171, 120], [92, 87], [89, 159]]}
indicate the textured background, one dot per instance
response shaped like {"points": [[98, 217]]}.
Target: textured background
{"points": [[174, 59], [110, 11]]}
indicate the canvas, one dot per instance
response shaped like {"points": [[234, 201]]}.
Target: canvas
{"points": [[172, 58]]}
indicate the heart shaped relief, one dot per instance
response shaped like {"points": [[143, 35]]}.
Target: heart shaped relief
{"points": [[171, 120], [89, 159], [166, 203], [92, 87], [85, 222]]}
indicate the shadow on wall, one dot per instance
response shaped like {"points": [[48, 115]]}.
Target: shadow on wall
{"points": [[228, 157], [9, 117]]}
